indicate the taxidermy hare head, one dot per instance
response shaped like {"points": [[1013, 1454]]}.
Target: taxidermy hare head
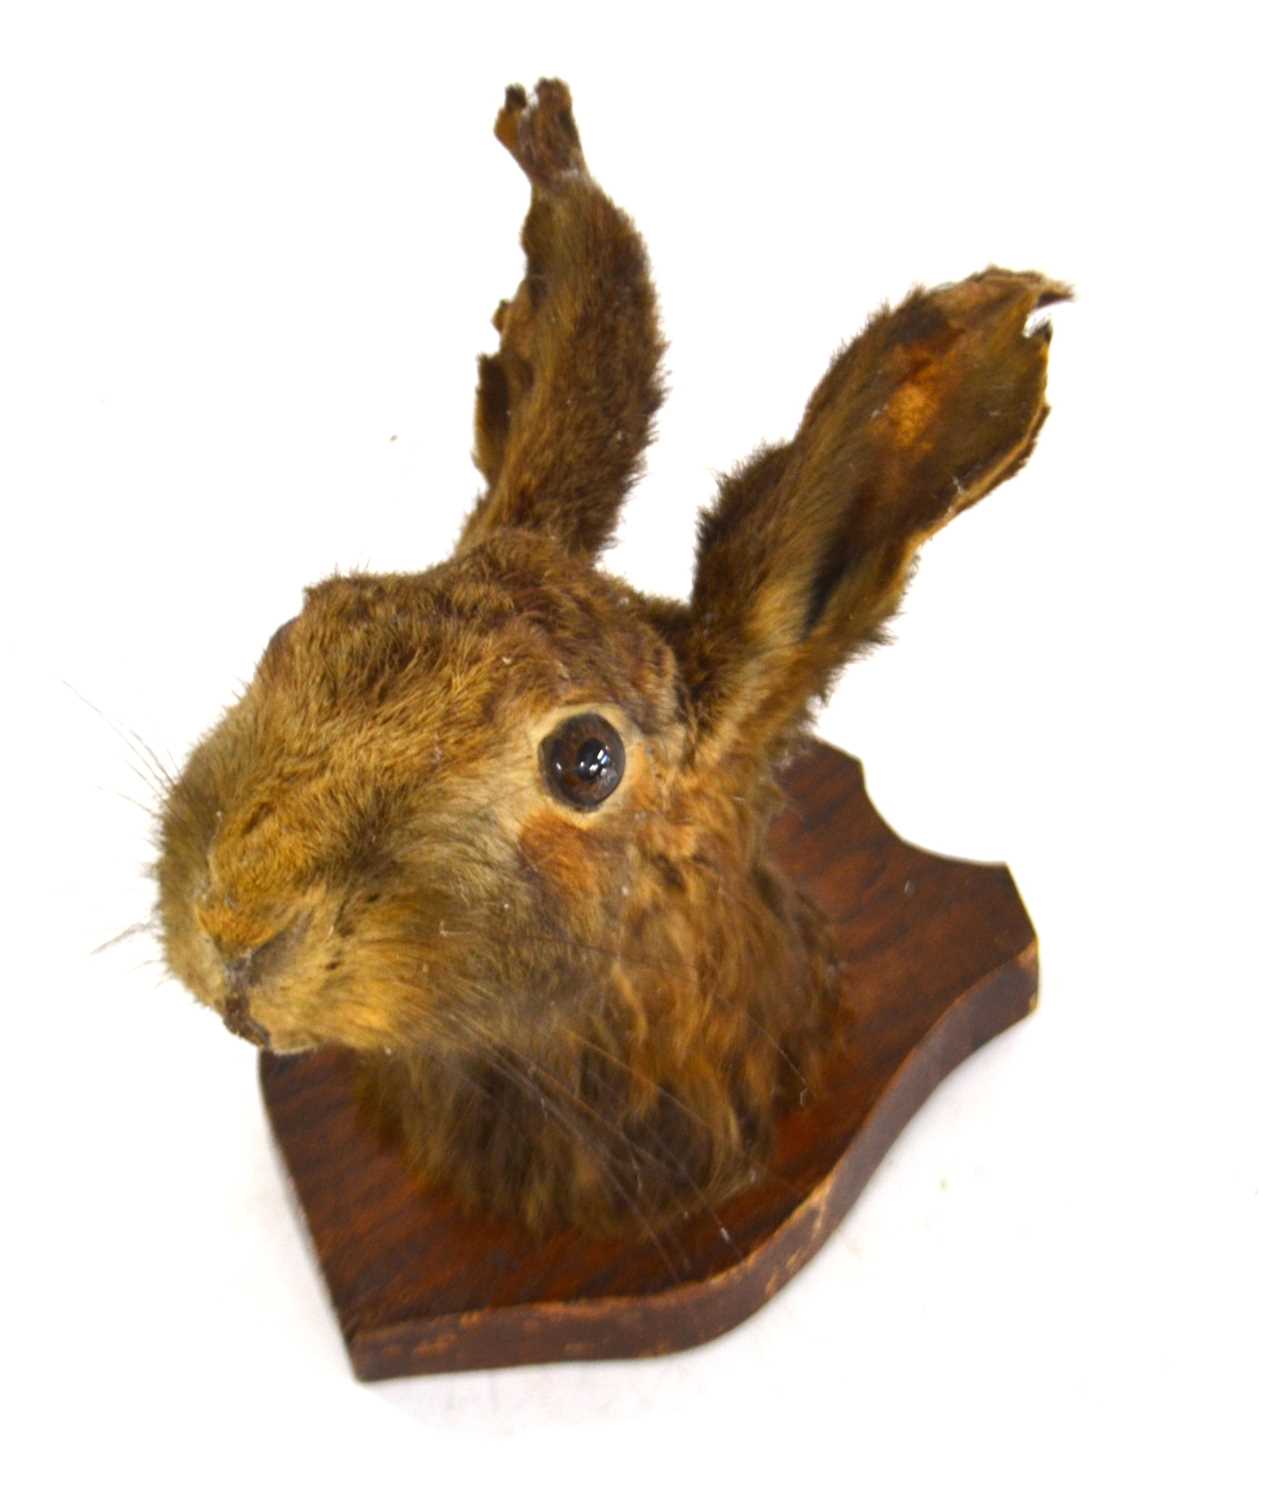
{"points": [[500, 827]]}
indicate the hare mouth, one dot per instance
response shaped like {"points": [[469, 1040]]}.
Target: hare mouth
{"points": [[238, 1019], [240, 1022]]}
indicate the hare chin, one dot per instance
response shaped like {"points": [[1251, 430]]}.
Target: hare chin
{"points": [[292, 1049]]}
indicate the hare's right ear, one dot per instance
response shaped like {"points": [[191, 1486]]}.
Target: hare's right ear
{"points": [[807, 549], [566, 407]]}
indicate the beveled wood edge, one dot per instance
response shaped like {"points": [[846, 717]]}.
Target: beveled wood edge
{"points": [[685, 1316], [874, 813]]}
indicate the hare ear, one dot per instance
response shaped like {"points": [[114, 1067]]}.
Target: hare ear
{"points": [[565, 409], [807, 549]]}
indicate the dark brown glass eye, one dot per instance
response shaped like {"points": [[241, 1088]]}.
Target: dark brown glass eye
{"points": [[583, 760]]}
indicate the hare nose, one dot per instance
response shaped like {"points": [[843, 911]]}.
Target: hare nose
{"points": [[241, 972], [244, 967]]}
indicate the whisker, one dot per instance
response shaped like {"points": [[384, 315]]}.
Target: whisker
{"points": [[143, 806], [663, 1090], [780, 1051], [635, 1073], [565, 940], [155, 782], [166, 779], [620, 1134], [561, 939], [134, 930], [509, 1067], [704, 1204], [528, 1071]]}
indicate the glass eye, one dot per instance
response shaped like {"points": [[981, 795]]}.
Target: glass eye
{"points": [[583, 760]]}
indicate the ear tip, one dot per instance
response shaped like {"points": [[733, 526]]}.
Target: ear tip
{"points": [[1042, 291], [1055, 291]]}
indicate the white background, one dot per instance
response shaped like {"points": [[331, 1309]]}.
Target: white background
{"points": [[250, 253]]}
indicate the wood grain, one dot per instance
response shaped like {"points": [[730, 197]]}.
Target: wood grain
{"points": [[939, 956]]}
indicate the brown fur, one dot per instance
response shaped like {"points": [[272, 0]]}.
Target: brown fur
{"points": [[570, 1015]]}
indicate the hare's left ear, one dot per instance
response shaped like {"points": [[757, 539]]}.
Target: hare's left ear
{"points": [[807, 549], [564, 410]]}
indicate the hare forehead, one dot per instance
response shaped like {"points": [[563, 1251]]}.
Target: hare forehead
{"points": [[445, 653]]}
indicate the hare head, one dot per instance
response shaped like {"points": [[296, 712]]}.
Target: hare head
{"points": [[500, 827]]}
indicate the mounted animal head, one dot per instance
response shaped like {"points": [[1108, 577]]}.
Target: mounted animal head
{"points": [[500, 827]]}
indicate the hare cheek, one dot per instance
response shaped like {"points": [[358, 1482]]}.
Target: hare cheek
{"points": [[566, 856], [191, 959]]}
